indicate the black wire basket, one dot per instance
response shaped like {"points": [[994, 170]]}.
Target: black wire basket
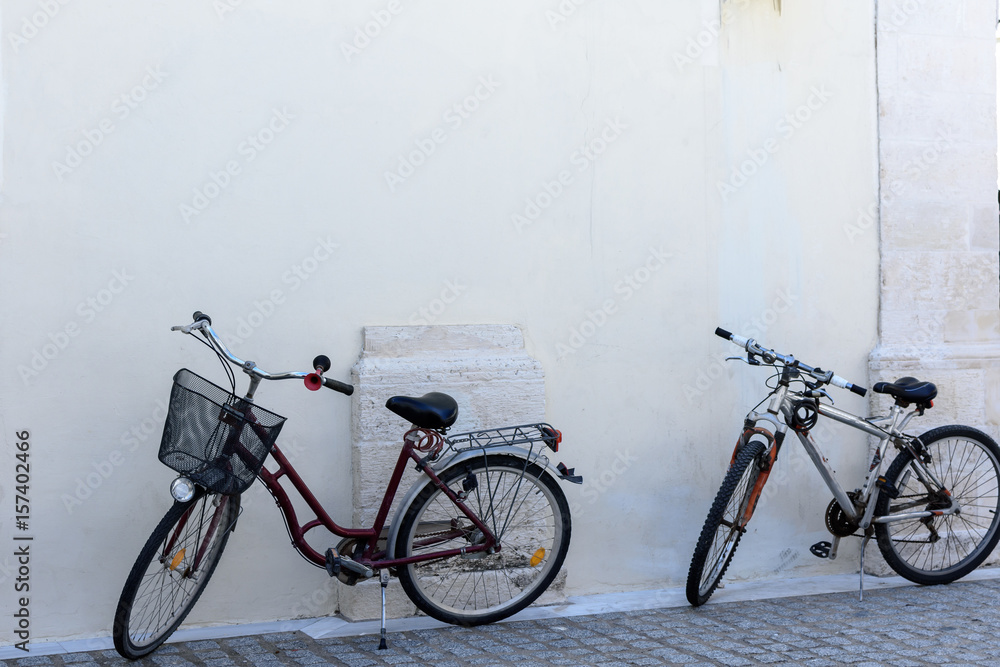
{"points": [[215, 438]]}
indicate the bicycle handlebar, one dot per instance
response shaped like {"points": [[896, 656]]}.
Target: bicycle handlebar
{"points": [[313, 380], [770, 356]]}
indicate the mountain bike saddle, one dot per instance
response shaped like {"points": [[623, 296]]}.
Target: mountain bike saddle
{"points": [[434, 410], [908, 390]]}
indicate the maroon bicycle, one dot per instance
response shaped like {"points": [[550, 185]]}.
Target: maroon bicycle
{"points": [[478, 537]]}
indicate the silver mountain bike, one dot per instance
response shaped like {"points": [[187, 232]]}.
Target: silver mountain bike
{"points": [[934, 513]]}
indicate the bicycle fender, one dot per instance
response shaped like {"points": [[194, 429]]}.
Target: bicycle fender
{"points": [[537, 458]]}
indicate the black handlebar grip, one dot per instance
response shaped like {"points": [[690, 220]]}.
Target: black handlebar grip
{"points": [[322, 362], [860, 391], [722, 333], [345, 389], [199, 316]]}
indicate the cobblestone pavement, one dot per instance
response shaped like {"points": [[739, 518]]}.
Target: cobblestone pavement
{"points": [[945, 625]]}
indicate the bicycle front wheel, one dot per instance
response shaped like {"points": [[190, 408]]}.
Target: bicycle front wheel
{"points": [[725, 524], [524, 508], [941, 549], [171, 572]]}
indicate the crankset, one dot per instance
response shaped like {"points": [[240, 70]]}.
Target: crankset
{"points": [[839, 524], [837, 521], [353, 548]]}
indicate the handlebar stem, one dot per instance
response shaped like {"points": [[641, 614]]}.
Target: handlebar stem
{"points": [[254, 381], [777, 398]]}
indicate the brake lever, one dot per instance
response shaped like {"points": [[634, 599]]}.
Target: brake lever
{"points": [[188, 328], [752, 361], [816, 392]]}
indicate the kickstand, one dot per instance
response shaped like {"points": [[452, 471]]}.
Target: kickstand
{"points": [[861, 592], [384, 580]]}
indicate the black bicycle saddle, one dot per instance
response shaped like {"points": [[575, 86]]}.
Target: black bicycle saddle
{"points": [[908, 390], [434, 410]]}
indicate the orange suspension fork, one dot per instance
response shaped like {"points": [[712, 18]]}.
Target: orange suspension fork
{"points": [[770, 454]]}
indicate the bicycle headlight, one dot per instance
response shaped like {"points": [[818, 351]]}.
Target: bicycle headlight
{"points": [[182, 489]]}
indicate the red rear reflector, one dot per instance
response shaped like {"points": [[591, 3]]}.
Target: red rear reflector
{"points": [[553, 437]]}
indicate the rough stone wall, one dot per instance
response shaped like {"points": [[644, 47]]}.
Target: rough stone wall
{"points": [[939, 233], [940, 294]]}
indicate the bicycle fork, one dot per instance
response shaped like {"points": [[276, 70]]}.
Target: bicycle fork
{"points": [[773, 444]]}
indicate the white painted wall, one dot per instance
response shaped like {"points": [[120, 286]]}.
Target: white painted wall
{"points": [[674, 103]]}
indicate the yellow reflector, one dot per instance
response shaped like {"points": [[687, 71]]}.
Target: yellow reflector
{"points": [[538, 557], [177, 559]]}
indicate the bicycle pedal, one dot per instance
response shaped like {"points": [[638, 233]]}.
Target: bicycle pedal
{"points": [[332, 562], [887, 487], [821, 549], [336, 563]]}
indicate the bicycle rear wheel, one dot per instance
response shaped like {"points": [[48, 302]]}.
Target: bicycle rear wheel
{"points": [[523, 507], [941, 549], [725, 524], [171, 571]]}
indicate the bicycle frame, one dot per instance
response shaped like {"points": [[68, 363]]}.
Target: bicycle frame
{"points": [[781, 403], [370, 557], [371, 535]]}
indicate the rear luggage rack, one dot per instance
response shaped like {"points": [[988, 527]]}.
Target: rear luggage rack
{"points": [[529, 436], [526, 434]]}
